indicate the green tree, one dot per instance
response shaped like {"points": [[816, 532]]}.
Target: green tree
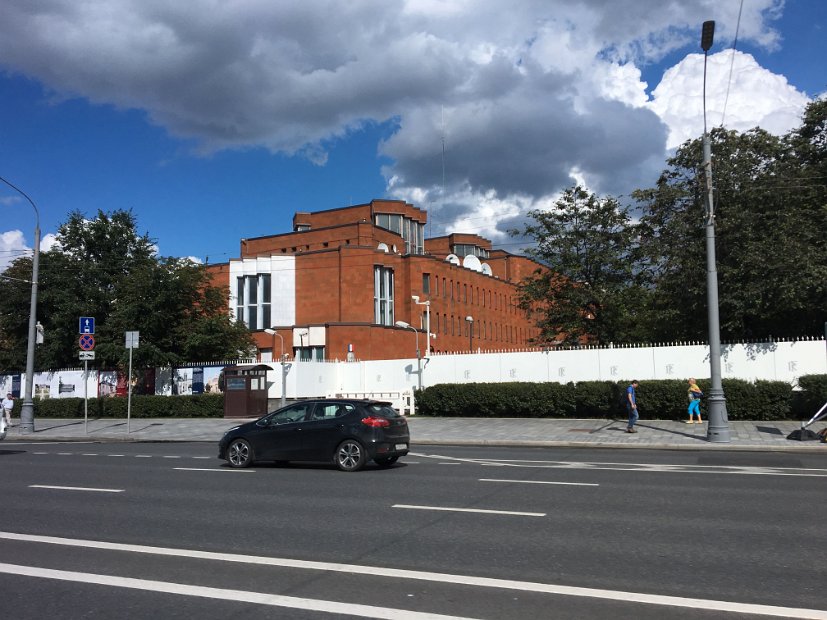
{"points": [[105, 269], [770, 224], [587, 292]]}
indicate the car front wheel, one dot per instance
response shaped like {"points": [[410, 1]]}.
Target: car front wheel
{"points": [[239, 453], [350, 455]]}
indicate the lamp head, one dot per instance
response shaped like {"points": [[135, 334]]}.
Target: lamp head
{"points": [[415, 298], [707, 35]]}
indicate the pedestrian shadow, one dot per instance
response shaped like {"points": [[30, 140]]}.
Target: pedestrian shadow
{"points": [[657, 428]]}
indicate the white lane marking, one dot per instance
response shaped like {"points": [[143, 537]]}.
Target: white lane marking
{"points": [[478, 510], [574, 484], [482, 582], [259, 598], [644, 467], [237, 471], [449, 463], [137, 456], [48, 486]]}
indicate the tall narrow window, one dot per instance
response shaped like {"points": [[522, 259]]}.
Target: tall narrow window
{"points": [[253, 300], [383, 295], [426, 283]]}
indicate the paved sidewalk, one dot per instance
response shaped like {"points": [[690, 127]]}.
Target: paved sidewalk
{"points": [[660, 434]]}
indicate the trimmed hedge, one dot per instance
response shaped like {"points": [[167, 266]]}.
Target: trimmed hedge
{"points": [[664, 399], [194, 406]]}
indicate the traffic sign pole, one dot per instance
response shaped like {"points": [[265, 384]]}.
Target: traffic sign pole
{"points": [[86, 397]]}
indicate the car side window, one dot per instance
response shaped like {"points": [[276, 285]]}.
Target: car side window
{"points": [[329, 411], [295, 413]]}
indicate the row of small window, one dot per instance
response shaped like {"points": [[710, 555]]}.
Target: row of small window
{"points": [[484, 330], [412, 232], [467, 249], [483, 298]]}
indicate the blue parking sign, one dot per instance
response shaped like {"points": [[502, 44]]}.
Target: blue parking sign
{"points": [[86, 325]]}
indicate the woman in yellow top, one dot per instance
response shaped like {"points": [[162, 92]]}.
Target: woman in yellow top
{"points": [[694, 402]]}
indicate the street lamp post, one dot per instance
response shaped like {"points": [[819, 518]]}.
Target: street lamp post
{"points": [[274, 333], [718, 425], [27, 408], [418, 354], [470, 320], [427, 305]]}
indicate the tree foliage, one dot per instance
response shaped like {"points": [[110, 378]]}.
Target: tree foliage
{"points": [[105, 269], [616, 278], [770, 226], [587, 244]]}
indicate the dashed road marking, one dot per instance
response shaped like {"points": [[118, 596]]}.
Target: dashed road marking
{"points": [[574, 484], [58, 488], [476, 510]]}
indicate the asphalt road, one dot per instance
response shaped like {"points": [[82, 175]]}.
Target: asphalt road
{"points": [[167, 531]]}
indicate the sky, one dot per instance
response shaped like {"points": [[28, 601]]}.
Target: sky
{"points": [[217, 120]]}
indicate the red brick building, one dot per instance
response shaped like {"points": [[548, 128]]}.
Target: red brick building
{"points": [[335, 287]]}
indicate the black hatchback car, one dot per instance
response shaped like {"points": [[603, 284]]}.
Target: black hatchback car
{"points": [[347, 432]]}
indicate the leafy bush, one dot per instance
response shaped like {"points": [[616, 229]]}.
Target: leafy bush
{"points": [[811, 397], [663, 399], [497, 400], [195, 406]]}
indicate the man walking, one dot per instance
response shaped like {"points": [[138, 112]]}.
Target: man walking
{"points": [[631, 406], [7, 405]]}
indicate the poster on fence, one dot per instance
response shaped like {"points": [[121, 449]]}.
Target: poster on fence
{"points": [[211, 379]]}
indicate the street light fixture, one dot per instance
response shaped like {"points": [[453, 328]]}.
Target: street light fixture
{"points": [[27, 408], [717, 426], [470, 320], [274, 333], [405, 325], [427, 305]]}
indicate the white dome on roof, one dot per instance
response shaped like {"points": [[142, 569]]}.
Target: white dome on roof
{"points": [[472, 262], [383, 247], [453, 259], [486, 269]]}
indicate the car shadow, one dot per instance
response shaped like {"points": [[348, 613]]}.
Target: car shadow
{"points": [[316, 466]]}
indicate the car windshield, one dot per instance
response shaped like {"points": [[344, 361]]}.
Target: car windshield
{"points": [[382, 409]]}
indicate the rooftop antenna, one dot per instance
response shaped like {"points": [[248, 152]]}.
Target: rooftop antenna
{"points": [[443, 151]]}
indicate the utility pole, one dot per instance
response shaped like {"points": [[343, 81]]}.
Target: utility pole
{"points": [[718, 424]]}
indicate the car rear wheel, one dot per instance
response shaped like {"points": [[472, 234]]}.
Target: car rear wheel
{"points": [[239, 453], [350, 455], [386, 461]]}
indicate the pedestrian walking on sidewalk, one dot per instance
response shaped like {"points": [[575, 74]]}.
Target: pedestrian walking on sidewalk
{"points": [[631, 406], [7, 405], [694, 409]]}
